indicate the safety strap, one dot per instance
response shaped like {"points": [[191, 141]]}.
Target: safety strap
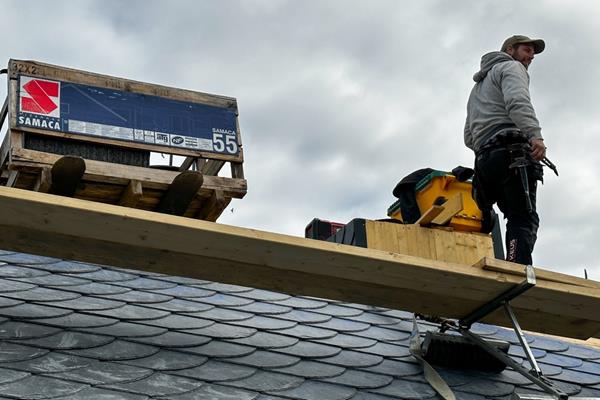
{"points": [[433, 378]]}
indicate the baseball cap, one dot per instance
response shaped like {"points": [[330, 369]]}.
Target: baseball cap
{"points": [[538, 44]]}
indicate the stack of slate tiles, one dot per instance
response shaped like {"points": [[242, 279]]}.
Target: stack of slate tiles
{"points": [[72, 330]]}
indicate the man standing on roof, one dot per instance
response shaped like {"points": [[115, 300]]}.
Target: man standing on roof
{"points": [[504, 133]]}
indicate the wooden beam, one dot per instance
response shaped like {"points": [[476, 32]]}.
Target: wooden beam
{"points": [[100, 171], [93, 232], [237, 170], [44, 181], [429, 215], [132, 194], [212, 167], [452, 206], [213, 206], [4, 111]]}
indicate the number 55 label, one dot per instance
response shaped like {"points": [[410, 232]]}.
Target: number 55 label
{"points": [[224, 141]]}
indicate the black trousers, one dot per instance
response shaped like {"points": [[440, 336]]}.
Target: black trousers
{"points": [[495, 182]]}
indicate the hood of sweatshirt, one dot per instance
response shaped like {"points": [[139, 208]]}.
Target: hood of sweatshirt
{"points": [[488, 61]]}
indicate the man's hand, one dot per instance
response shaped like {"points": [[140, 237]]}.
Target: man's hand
{"points": [[538, 149]]}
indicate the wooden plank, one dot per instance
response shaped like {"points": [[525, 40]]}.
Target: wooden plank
{"points": [[237, 170], [212, 207], [100, 171], [132, 194], [187, 163], [93, 232], [506, 267], [4, 149], [451, 207], [34, 68], [12, 178], [44, 181], [429, 215], [212, 167], [3, 112]]}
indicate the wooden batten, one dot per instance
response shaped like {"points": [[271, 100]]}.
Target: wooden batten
{"points": [[132, 194]]}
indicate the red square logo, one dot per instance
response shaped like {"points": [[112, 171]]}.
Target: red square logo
{"points": [[40, 96]]}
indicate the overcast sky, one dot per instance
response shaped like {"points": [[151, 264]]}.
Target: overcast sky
{"points": [[338, 100]]}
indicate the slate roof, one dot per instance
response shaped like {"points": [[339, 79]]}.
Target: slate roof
{"points": [[71, 330]]}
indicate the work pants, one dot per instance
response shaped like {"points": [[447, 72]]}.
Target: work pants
{"points": [[495, 182]]}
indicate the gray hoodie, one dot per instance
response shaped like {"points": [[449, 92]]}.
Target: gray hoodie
{"points": [[500, 97]]}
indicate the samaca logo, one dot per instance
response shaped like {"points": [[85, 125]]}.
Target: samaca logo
{"points": [[40, 96]]}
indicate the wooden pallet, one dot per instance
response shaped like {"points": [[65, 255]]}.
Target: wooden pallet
{"points": [[107, 181]]}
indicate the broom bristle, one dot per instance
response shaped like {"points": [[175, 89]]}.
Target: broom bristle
{"points": [[453, 351]]}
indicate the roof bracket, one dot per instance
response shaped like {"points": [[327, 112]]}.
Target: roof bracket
{"points": [[535, 375]]}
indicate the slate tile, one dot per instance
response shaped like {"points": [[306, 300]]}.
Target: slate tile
{"points": [[589, 392], [116, 351], [258, 307], [54, 280], [174, 321], [216, 392], [26, 259], [100, 373], [66, 340], [308, 332], [371, 396], [181, 291], [106, 275], [375, 319], [88, 303], [102, 394], [140, 297], [17, 271], [217, 371], [8, 285], [518, 351], [582, 378], [264, 381], [318, 390], [78, 320], [68, 267], [268, 323], [180, 305], [386, 350], [547, 369], [51, 363], [484, 387], [360, 379], [41, 295], [10, 352], [383, 334], [312, 369], [24, 330], [132, 312], [569, 389], [173, 339], [7, 302], [222, 331], [483, 329], [40, 387], [225, 300], [225, 287], [586, 353], [217, 348], [158, 384], [405, 390], [562, 361], [337, 310], [181, 280], [396, 368], [343, 325], [221, 314], [300, 302], [265, 359], [506, 376], [304, 317], [348, 358], [306, 349], [366, 307], [126, 330], [94, 288], [509, 336], [400, 314], [9, 376], [589, 367], [33, 311], [145, 284], [165, 360], [264, 295], [348, 341], [266, 340]]}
